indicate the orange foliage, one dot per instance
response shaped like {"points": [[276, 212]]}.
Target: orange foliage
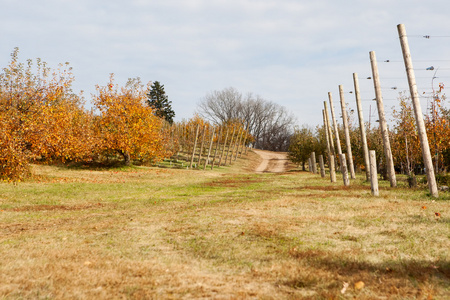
{"points": [[438, 128], [127, 125], [41, 119]]}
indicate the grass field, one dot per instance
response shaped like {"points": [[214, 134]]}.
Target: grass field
{"points": [[149, 233]]}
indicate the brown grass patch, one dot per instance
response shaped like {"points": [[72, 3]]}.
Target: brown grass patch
{"points": [[45, 207], [252, 237], [335, 188], [232, 182]]}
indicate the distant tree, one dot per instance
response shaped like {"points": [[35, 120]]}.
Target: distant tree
{"points": [[270, 124], [158, 100], [303, 142]]}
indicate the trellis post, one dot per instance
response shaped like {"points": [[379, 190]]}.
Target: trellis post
{"points": [[382, 120], [347, 132], [362, 127], [426, 154]]}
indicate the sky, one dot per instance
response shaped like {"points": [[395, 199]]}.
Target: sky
{"points": [[289, 52]]}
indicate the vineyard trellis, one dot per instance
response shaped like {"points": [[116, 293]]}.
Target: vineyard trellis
{"points": [[435, 127], [200, 144]]}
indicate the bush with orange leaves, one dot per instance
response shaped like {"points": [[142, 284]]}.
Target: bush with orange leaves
{"points": [[126, 125]]}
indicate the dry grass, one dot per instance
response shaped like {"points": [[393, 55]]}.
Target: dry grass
{"points": [[146, 233]]}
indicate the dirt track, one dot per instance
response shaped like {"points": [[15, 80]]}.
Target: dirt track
{"points": [[273, 162]]}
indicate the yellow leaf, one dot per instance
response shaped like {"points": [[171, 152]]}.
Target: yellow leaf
{"points": [[359, 285]]}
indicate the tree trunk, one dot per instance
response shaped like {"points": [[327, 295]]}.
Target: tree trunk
{"points": [[126, 157]]}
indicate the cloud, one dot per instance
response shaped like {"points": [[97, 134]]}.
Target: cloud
{"points": [[290, 52]]}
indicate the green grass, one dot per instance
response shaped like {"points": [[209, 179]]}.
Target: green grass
{"points": [[140, 232]]}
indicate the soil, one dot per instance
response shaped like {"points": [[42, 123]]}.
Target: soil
{"points": [[272, 162]]}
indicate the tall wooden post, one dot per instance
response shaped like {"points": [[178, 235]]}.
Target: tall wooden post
{"points": [[325, 128], [373, 173], [223, 149], [219, 135], [229, 146], [382, 119], [347, 132], [313, 159], [344, 170], [322, 167], [242, 145], [195, 145], [238, 145], [328, 126], [362, 127], [332, 170], [330, 156], [235, 145], [201, 146], [336, 130], [210, 148], [426, 154]]}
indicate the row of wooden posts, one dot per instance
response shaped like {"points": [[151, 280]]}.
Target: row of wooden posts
{"points": [[222, 154], [332, 166], [369, 156]]}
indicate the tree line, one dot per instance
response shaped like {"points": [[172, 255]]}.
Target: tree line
{"points": [[270, 124], [43, 121]]}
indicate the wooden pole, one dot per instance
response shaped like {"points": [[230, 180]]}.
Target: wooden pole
{"points": [[235, 146], [382, 120], [313, 159], [373, 173], [332, 171], [238, 145], [322, 167], [336, 131], [210, 148], [362, 127], [217, 147], [223, 149], [325, 127], [330, 133], [426, 154], [201, 146], [330, 156], [344, 170], [346, 132], [229, 146], [195, 145]]}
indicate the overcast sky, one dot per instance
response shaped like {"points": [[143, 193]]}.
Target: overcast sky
{"points": [[289, 52]]}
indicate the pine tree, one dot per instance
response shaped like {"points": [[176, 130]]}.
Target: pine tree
{"points": [[158, 100]]}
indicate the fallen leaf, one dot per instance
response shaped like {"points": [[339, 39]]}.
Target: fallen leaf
{"points": [[87, 263], [437, 214], [359, 285], [424, 207]]}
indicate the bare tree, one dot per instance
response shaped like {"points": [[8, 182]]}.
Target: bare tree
{"points": [[270, 124], [220, 106]]}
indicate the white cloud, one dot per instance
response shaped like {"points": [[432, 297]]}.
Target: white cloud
{"points": [[290, 52]]}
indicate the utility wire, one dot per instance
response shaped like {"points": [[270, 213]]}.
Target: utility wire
{"points": [[429, 36]]}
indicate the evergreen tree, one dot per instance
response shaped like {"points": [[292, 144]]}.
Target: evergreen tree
{"points": [[158, 100]]}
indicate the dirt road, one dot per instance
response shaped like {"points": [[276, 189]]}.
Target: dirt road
{"points": [[273, 162]]}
